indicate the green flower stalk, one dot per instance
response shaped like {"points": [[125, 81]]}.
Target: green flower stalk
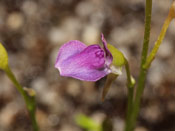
{"points": [[28, 94], [146, 61], [170, 17], [131, 118]]}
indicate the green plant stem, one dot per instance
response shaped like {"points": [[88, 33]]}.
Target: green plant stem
{"points": [[29, 100], [34, 122], [148, 11], [130, 94], [142, 74], [136, 105], [159, 41]]}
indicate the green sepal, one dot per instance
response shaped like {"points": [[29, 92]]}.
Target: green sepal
{"points": [[118, 57], [3, 58]]}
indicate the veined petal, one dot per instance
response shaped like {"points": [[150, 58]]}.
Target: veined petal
{"points": [[69, 49], [88, 65], [108, 56]]}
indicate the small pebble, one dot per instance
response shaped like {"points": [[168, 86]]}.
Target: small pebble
{"points": [[73, 88], [85, 8], [57, 35], [140, 129], [91, 35], [29, 7], [118, 124], [15, 20], [151, 113], [166, 49]]}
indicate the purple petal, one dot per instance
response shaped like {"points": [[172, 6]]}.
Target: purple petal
{"points": [[88, 64], [69, 49], [108, 56]]}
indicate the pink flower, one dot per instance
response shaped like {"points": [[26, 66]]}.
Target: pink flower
{"points": [[88, 63]]}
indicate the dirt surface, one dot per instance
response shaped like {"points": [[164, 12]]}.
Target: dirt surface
{"points": [[32, 32]]}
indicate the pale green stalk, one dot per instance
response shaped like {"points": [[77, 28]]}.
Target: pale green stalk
{"points": [[130, 85], [153, 53], [142, 75], [145, 62], [28, 95]]}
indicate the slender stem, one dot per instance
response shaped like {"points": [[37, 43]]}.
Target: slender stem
{"points": [[128, 74], [29, 100], [15, 82], [142, 74], [34, 122], [148, 11], [159, 41], [130, 94], [136, 104]]}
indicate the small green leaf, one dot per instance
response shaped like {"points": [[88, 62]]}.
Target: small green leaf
{"points": [[3, 58], [118, 57], [87, 123]]}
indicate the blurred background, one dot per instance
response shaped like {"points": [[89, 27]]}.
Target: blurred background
{"points": [[32, 32]]}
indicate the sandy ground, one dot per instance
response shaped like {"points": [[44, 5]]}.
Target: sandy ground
{"points": [[32, 32]]}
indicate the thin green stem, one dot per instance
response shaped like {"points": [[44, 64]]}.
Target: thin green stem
{"points": [[159, 41], [136, 104], [142, 74], [34, 122], [29, 100], [128, 74], [15, 82], [130, 94], [148, 11]]}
